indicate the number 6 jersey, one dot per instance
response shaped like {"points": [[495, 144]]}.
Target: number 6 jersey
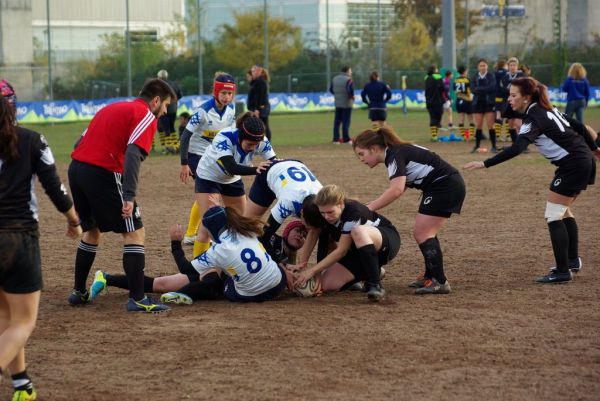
{"points": [[245, 260]]}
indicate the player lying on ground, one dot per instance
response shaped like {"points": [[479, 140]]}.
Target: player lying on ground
{"points": [[188, 285]]}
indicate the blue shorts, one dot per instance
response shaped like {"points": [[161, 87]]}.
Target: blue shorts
{"points": [[260, 193], [269, 295], [210, 187], [377, 114]]}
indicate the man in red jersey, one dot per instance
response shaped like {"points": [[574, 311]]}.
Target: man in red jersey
{"points": [[103, 177]]}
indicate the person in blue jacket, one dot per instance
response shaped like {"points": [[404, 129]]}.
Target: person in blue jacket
{"points": [[578, 91], [375, 95]]}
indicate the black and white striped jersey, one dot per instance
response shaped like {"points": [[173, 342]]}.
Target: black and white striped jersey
{"points": [[18, 201], [420, 165], [553, 135], [356, 214]]}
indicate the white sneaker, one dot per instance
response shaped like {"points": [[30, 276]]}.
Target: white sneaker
{"points": [[176, 298], [189, 240]]}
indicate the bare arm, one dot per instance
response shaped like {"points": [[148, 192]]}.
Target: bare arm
{"points": [[394, 191]]}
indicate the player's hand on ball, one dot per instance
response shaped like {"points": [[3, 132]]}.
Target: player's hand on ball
{"points": [[176, 232], [473, 165], [303, 277]]}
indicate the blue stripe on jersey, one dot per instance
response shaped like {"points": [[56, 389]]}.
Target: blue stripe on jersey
{"points": [[233, 137]]}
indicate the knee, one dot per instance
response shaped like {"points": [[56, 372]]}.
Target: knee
{"points": [[555, 211], [359, 235]]}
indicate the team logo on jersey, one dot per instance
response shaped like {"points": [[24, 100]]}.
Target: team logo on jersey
{"points": [[203, 258], [525, 128], [283, 180], [222, 145], [392, 168], [427, 200], [297, 207], [195, 120], [268, 146], [557, 182], [284, 212]]}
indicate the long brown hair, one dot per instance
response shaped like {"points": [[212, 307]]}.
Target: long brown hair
{"points": [[382, 137], [8, 132], [246, 226], [532, 87]]}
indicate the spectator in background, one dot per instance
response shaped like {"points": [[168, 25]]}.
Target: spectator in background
{"points": [[435, 96], [578, 91], [258, 96], [166, 123], [526, 70], [375, 95], [342, 89], [500, 71], [184, 119], [448, 103], [483, 85], [464, 98]]}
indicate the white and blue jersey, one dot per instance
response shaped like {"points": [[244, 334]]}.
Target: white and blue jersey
{"points": [[291, 181], [245, 260], [226, 143], [206, 122]]}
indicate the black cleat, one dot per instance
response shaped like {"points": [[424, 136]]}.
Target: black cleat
{"points": [[375, 293], [555, 278]]}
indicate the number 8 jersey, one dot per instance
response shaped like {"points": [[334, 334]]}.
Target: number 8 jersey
{"points": [[245, 260]]}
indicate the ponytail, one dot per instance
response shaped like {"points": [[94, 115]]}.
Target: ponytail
{"points": [[8, 132], [246, 226], [382, 137], [535, 89]]}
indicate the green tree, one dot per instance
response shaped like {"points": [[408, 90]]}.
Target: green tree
{"points": [[242, 43], [430, 12], [409, 45]]}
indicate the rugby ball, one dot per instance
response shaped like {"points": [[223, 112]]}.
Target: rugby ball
{"points": [[311, 288]]}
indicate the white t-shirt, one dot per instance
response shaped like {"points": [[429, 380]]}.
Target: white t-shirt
{"points": [[245, 260], [226, 144], [291, 181], [206, 122]]}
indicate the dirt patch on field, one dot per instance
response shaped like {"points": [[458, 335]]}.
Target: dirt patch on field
{"points": [[497, 336]]}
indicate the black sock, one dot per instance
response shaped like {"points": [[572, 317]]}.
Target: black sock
{"points": [[478, 137], [21, 381], [134, 261], [210, 287], [369, 261], [120, 281], [513, 135], [84, 258], [559, 237], [492, 133], [434, 261], [571, 226]]}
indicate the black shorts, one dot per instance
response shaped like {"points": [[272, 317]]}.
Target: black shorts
{"points": [[463, 106], [481, 106], [269, 295], [574, 177], [377, 114], [443, 197], [98, 198], [210, 187], [390, 246], [193, 160], [20, 262], [260, 193]]}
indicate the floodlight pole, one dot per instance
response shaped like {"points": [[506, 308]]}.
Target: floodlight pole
{"points": [[128, 40], [448, 35], [200, 61], [50, 86], [266, 23], [327, 50], [379, 58]]}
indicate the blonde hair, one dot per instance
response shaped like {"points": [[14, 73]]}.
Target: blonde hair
{"points": [[330, 195], [513, 60], [577, 71]]}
